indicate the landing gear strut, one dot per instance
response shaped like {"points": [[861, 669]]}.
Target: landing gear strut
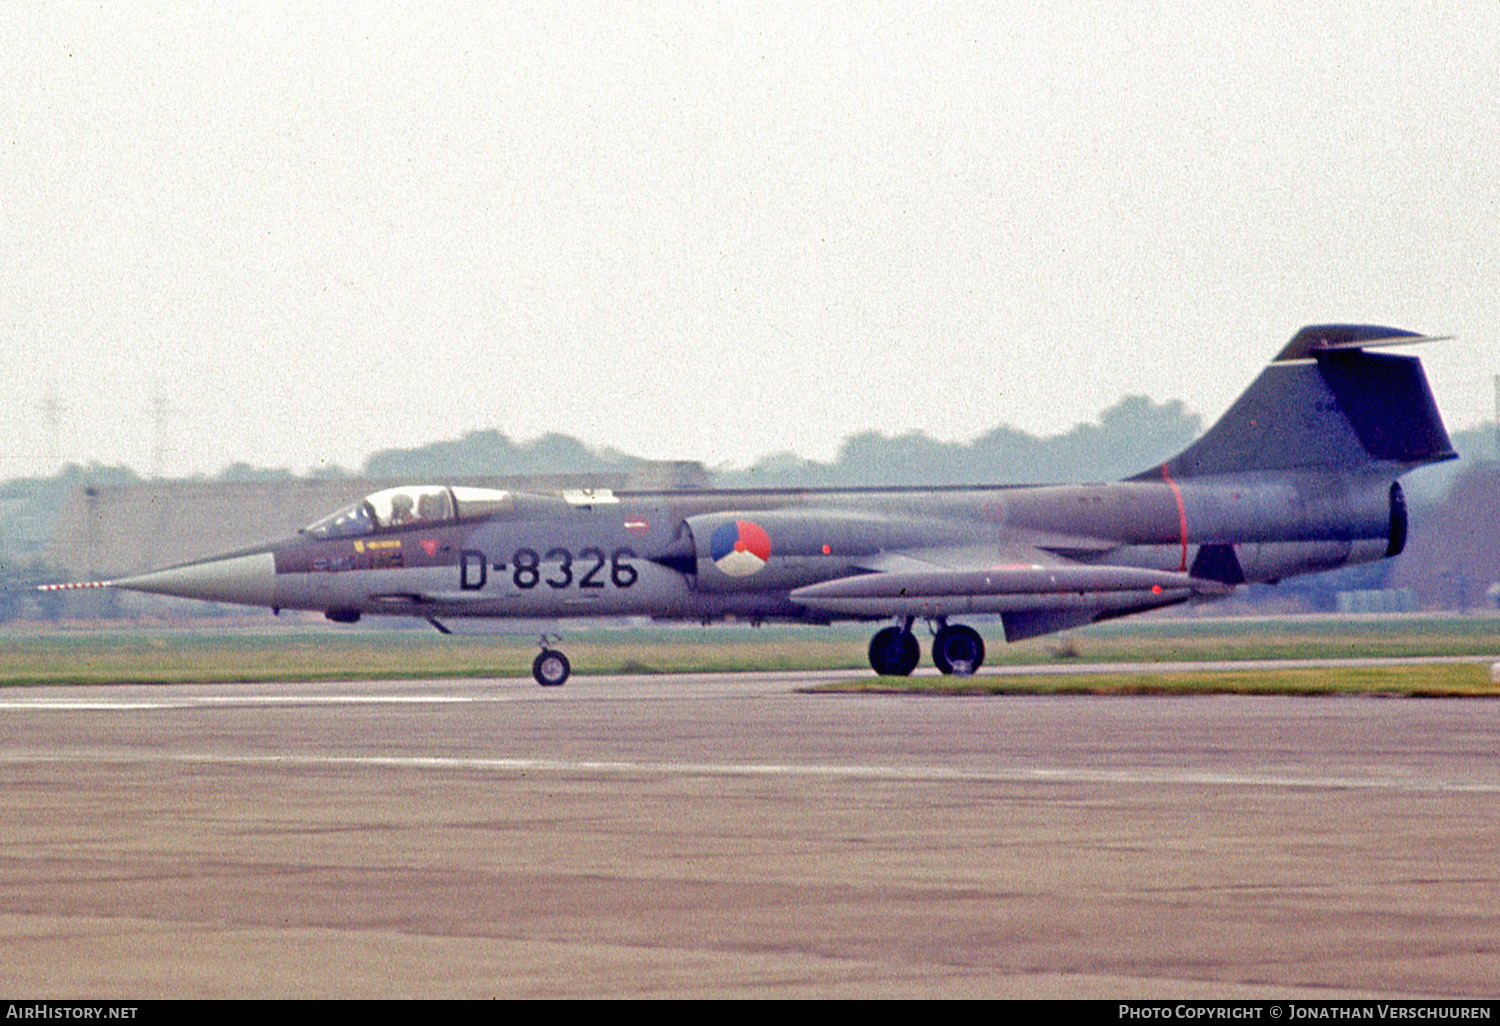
{"points": [[894, 651], [551, 667]]}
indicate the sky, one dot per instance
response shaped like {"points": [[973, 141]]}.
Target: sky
{"points": [[295, 234]]}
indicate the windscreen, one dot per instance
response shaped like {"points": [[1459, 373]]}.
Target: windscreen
{"points": [[411, 506], [350, 522]]}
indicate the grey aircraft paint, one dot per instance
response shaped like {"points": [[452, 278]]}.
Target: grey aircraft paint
{"points": [[1299, 475]]}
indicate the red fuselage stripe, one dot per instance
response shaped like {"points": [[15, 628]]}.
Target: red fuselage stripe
{"points": [[1181, 514]]}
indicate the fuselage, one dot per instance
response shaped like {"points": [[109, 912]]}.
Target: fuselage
{"points": [[653, 553], [1299, 475]]}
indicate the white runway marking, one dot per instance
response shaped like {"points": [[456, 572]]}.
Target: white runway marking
{"points": [[85, 706], [210, 701], [998, 775]]}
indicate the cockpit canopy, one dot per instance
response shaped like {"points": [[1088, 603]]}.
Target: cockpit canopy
{"points": [[411, 506]]}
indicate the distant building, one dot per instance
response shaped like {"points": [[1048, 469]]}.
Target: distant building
{"points": [[1377, 600]]}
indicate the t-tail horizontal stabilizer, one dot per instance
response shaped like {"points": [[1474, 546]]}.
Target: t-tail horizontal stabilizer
{"points": [[1325, 403]]}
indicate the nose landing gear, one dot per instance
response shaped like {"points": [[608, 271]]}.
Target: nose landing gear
{"points": [[550, 668]]}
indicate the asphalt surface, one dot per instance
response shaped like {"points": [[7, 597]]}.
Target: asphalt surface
{"points": [[728, 836]]}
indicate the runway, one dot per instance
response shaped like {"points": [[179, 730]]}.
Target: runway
{"points": [[726, 835]]}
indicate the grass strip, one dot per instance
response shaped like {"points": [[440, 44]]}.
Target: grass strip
{"points": [[287, 653], [1445, 681]]}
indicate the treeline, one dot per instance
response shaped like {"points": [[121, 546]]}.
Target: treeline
{"points": [[1134, 435], [481, 453], [1131, 436]]}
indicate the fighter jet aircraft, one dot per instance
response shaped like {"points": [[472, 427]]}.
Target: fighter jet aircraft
{"points": [[1299, 475]]}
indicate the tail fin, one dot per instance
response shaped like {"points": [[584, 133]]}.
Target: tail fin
{"points": [[1326, 404]]}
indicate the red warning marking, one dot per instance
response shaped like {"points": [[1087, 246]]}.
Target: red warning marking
{"points": [[1181, 514]]}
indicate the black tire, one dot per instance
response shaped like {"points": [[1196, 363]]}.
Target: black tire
{"points": [[551, 668], [894, 652], [958, 650]]}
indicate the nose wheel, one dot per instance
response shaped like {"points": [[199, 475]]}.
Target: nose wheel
{"points": [[551, 667]]}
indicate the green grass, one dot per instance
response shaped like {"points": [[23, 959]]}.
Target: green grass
{"points": [[166, 656], [1272, 638], [124, 653], [1468, 680]]}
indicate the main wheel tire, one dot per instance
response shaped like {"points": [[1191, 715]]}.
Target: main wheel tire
{"points": [[958, 650], [894, 652], [551, 668]]}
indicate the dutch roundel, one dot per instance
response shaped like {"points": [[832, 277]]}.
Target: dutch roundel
{"points": [[740, 548]]}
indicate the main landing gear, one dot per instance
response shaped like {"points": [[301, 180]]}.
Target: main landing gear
{"points": [[894, 651], [956, 649], [551, 667]]}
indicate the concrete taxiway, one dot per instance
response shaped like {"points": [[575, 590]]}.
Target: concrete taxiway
{"points": [[725, 835]]}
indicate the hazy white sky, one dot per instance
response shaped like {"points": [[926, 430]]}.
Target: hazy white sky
{"points": [[307, 232]]}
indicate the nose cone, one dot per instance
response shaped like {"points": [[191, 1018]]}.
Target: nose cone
{"points": [[248, 580]]}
